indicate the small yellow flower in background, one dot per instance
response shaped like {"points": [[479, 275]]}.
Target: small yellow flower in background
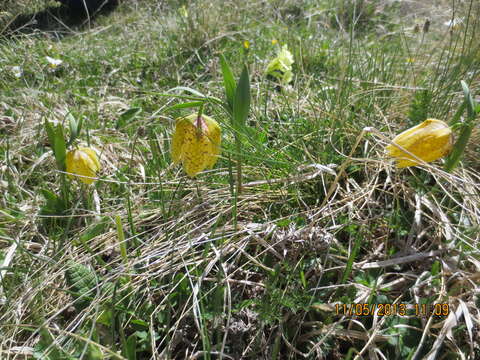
{"points": [[246, 44], [410, 60], [182, 10], [281, 67], [429, 141], [196, 143], [274, 41], [82, 161]]}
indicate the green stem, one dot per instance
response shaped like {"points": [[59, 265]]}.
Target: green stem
{"points": [[199, 120], [121, 239], [238, 144]]}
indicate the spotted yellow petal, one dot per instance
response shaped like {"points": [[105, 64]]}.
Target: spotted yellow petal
{"points": [[214, 137], [178, 138], [196, 149], [196, 143]]}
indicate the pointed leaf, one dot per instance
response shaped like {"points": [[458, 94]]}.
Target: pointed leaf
{"points": [[465, 132], [51, 134], [241, 104], [130, 347], [79, 126], [185, 105], [60, 148], [228, 81], [187, 89], [469, 100], [127, 116], [73, 126]]}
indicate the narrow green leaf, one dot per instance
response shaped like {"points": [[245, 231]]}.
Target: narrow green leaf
{"points": [[459, 147], [121, 239], [79, 126], [458, 114], [74, 128], [130, 347], [228, 81], [96, 230], [49, 196], [186, 105], [469, 100], [351, 259], [241, 104], [51, 134], [187, 89], [466, 129], [72, 124], [127, 116], [60, 148]]}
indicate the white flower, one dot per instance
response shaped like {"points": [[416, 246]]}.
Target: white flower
{"points": [[454, 23], [17, 71], [53, 63]]}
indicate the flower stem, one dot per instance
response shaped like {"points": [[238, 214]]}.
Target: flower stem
{"points": [[238, 144], [199, 121]]}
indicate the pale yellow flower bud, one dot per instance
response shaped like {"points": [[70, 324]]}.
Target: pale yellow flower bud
{"points": [[281, 67], [82, 161]]}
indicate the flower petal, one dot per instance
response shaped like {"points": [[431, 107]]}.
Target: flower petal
{"points": [[84, 162], [429, 141], [178, 138]]}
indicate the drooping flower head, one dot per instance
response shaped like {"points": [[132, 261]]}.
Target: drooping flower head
{"points": [[196, 143], [429, 141], [281, 67], [82, 161]]}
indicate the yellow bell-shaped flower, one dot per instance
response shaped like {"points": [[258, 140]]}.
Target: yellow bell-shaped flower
{"points": [[281, 67], [196, 143], [82, 161], [429, 141]]}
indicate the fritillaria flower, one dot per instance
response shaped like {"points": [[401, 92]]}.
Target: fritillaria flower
{"points": [[82, 161], [196, 143], [429, 141], [281, 67]]}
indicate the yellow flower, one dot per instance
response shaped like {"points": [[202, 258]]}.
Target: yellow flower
{"points": [[196, 143], [246, 44], [281, 67], [429, 141], [183, 11], [82, 161], [274, 41]]}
